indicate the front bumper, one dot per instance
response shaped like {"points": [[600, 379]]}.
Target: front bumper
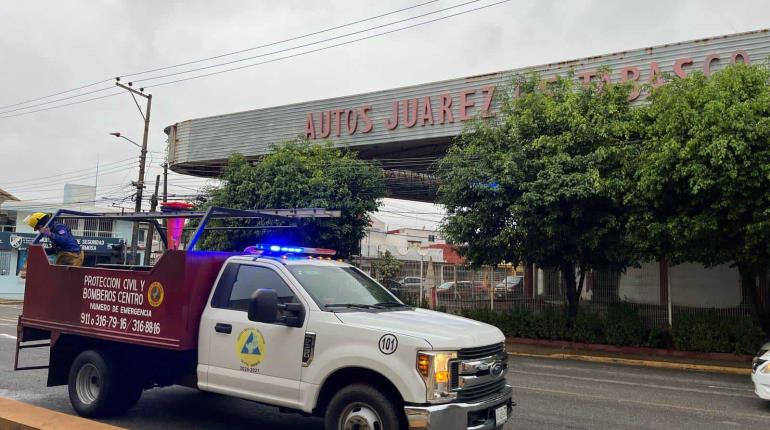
{"points": [[761, 385], [459, 416]]}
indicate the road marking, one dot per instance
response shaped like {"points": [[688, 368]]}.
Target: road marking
{"points": [[645, 363], [8, 336], [635, 384], [8, 319], [765, 418], [702, 378]]}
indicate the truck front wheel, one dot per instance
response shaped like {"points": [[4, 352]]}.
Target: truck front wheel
{"points": [[362, 407], [97, 388]]}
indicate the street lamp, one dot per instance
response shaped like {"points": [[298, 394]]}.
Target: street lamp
{"points": [[117, 134], [139, 188]]}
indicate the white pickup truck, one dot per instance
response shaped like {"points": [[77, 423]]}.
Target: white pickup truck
{"points": [[307, 334]]}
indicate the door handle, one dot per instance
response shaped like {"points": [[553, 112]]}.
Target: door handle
{"points": [[223, 328]]}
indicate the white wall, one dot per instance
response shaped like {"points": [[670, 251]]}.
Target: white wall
{"points": [[376, 242], [694, 285], [641, 285]]}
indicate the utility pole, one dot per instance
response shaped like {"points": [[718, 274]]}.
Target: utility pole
{"points": [[165, 182], [142, 158], [150, 230]]}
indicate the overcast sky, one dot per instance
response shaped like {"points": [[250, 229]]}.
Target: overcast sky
{"points": [[51, 46]]}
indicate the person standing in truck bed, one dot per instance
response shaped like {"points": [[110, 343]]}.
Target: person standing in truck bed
{"points": [[63, 243]]}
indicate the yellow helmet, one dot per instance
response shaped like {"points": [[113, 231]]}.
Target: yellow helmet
{"points": [[34, 219]]}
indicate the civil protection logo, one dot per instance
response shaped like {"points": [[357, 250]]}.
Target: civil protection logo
{"points": [[250, 347], [155, 294]]}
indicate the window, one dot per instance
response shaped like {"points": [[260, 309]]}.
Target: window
{"points": [[5, 263], [90, 225], [339, 285], [105, 228], [413, 243], [73, 224], [431, 238], [251, 278], [141, 235]]}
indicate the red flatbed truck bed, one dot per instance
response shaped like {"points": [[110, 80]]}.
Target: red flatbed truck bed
{"points": [[160, 307]]}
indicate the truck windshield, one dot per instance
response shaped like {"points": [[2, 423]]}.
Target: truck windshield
{"points": [[337, 287]]}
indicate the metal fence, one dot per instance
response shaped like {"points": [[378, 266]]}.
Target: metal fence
{"points": [[459, 288]]}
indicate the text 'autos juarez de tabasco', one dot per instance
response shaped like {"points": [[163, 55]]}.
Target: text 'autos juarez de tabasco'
{"points": [[277, 324]]}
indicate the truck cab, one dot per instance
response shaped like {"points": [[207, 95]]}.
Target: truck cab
{"points": [[280, 325], [296, 331]]}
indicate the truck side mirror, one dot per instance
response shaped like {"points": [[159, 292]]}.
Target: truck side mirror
{"points": [[263, 306]]}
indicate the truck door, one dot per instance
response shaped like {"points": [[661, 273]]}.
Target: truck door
{"points": [[248, 359]]}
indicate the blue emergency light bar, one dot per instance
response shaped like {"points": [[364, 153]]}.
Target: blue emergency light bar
{"points": [[287, 249]]}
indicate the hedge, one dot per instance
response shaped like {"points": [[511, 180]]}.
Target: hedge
{"points": [[621, 325]]}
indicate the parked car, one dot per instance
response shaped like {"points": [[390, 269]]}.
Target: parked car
{"points": [[394, 286], [760, 372], [411, 284], [411, 281], [463, 290], [510, 286]]}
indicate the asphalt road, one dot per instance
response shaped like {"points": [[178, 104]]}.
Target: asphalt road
{"points": [[551, 394]]}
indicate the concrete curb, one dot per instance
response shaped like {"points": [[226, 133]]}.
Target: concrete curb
{"points": [[21, 416], [642, 363], [10, 302]]}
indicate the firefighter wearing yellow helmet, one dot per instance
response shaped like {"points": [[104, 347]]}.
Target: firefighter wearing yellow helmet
{"points": [[63, 243]]}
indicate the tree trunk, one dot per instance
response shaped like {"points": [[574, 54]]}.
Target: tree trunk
{"points": [[570, 284], [750, 289]]}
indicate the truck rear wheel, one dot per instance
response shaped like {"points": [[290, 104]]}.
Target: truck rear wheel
{"points": [[97, 388], [362, 407]]}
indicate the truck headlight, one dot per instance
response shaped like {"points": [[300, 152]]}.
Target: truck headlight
{"points": [[433, 366]]}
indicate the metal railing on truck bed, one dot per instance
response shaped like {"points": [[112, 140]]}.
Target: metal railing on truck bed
{"points": [[158, 306]]}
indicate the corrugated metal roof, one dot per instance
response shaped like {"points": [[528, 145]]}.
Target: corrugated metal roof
{"points": [[200, 141]]}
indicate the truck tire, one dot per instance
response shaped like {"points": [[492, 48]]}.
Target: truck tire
{"points": [[98, 387], [363, 406]]}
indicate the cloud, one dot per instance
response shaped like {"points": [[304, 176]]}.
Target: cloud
{"points": [[48, 46]]}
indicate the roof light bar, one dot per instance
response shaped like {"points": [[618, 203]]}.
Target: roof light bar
{"points": [[288, 249]]}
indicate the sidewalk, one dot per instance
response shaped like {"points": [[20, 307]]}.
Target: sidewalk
{"points": [[645, 357], [21, 416]]}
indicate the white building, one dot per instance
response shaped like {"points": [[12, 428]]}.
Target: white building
{"points": [[403, 243]]}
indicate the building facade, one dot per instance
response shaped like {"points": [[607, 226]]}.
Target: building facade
{"points": [[419, 121]]}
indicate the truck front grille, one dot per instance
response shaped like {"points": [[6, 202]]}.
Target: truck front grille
{"points": [[480, 351], [481, 391], [478, 372]]}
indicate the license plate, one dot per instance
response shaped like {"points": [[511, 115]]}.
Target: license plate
{"points": [[501, 415]]}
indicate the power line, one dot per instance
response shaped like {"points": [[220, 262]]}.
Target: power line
{"points": [[276, 59], [68, 172], [244, 59], [240, 60], [281, 41], [61, 106], [219, 56], [323, 48]]}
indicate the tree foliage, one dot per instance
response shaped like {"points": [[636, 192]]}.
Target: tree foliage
{"points": [[301, 174], [543, 182], [386, 266], [702, 186]]}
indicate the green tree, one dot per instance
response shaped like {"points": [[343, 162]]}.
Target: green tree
{"points": [[543, 182], [702, 186], [300, 174], [386, 266]]}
